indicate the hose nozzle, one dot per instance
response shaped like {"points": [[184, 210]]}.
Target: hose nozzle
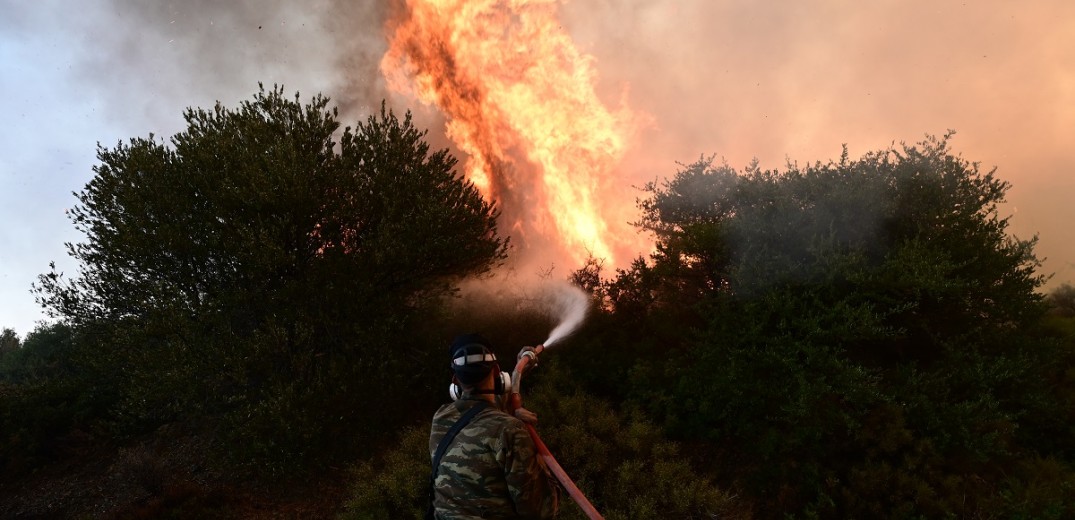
{"points": [[527, 358], [531, 353]]}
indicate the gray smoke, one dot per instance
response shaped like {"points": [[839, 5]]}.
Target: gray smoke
{"points": [[147, 61]]}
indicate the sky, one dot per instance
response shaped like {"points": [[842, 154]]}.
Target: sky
{"points": [[738, 79]]}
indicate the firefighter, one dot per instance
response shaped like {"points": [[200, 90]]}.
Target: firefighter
{"points": [[488, 466]]}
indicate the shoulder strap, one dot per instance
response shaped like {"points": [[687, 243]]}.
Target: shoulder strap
{"points": [[443, 447], [456, 428]]}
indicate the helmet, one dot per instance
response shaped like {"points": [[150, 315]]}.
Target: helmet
{"points": [[472, 359]]}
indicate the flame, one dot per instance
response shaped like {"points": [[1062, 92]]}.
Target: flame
{"points": [[521, 103]]}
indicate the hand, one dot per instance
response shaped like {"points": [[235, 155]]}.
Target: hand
{"points": [[523, 353], [526, 416]]}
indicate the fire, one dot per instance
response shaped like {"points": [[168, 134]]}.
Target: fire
{"points": [[521, 103]]}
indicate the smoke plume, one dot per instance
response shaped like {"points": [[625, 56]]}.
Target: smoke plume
{"points": [[147, 61]]}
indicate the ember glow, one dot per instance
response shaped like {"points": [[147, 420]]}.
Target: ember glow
{"points": [[520, 103]]}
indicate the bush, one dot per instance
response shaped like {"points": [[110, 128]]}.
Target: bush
{"points": [[621, 461], [395, 484], [48, 396], [1041, 488]]}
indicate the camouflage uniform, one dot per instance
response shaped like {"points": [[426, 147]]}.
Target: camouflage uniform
{"points": [[491, 469]]}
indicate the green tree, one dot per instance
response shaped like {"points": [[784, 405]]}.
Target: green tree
{"points": [[255, 199], [258, 267], [822, 298], [9, 342], [45, 395], [46, 353]]}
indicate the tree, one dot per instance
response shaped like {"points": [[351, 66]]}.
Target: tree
{"points": [[44, 354], [257, 260], [884, 291], [44, 395], [1062, 301], [9, 342], [257, 198]]}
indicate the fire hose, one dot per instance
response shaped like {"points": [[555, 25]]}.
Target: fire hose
{"points": [[516, 401]]}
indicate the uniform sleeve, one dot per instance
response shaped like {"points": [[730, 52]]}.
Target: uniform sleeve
{"points": [[532, 488]]}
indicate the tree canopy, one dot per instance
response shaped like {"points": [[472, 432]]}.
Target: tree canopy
{"points": [[842, 335], [256, 262], [250, 204]]}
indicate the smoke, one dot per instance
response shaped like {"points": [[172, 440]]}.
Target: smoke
{"points": [[569, 304], [778, 81], [145, 62], [739, 79]]}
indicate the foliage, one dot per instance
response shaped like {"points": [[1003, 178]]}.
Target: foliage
{"points": [[43, 350], [1061, 301], [859, 337], [395, 485], [1040, 488], [47, 399], [622, 461], [259, 270], [9, 342]]}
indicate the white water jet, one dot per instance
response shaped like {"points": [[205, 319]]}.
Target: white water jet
{"points": [[570, 304]]}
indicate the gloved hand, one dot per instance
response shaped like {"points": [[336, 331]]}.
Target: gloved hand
{"points": [[534, 361], [526, 416]]}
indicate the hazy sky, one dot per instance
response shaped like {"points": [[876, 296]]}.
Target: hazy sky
{"points": [[739, 79]]}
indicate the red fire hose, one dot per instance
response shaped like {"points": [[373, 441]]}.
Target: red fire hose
{"points": [[516, 402]]}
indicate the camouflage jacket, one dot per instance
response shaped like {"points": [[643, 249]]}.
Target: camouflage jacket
{"points": [[491, 469]]}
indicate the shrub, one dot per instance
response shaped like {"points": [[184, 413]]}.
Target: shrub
{"points": [[393, 485]]}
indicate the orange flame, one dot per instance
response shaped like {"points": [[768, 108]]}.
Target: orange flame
{"points": [[521, 104]]}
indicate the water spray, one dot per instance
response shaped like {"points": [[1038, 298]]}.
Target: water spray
{"points": [[571, 303]]}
